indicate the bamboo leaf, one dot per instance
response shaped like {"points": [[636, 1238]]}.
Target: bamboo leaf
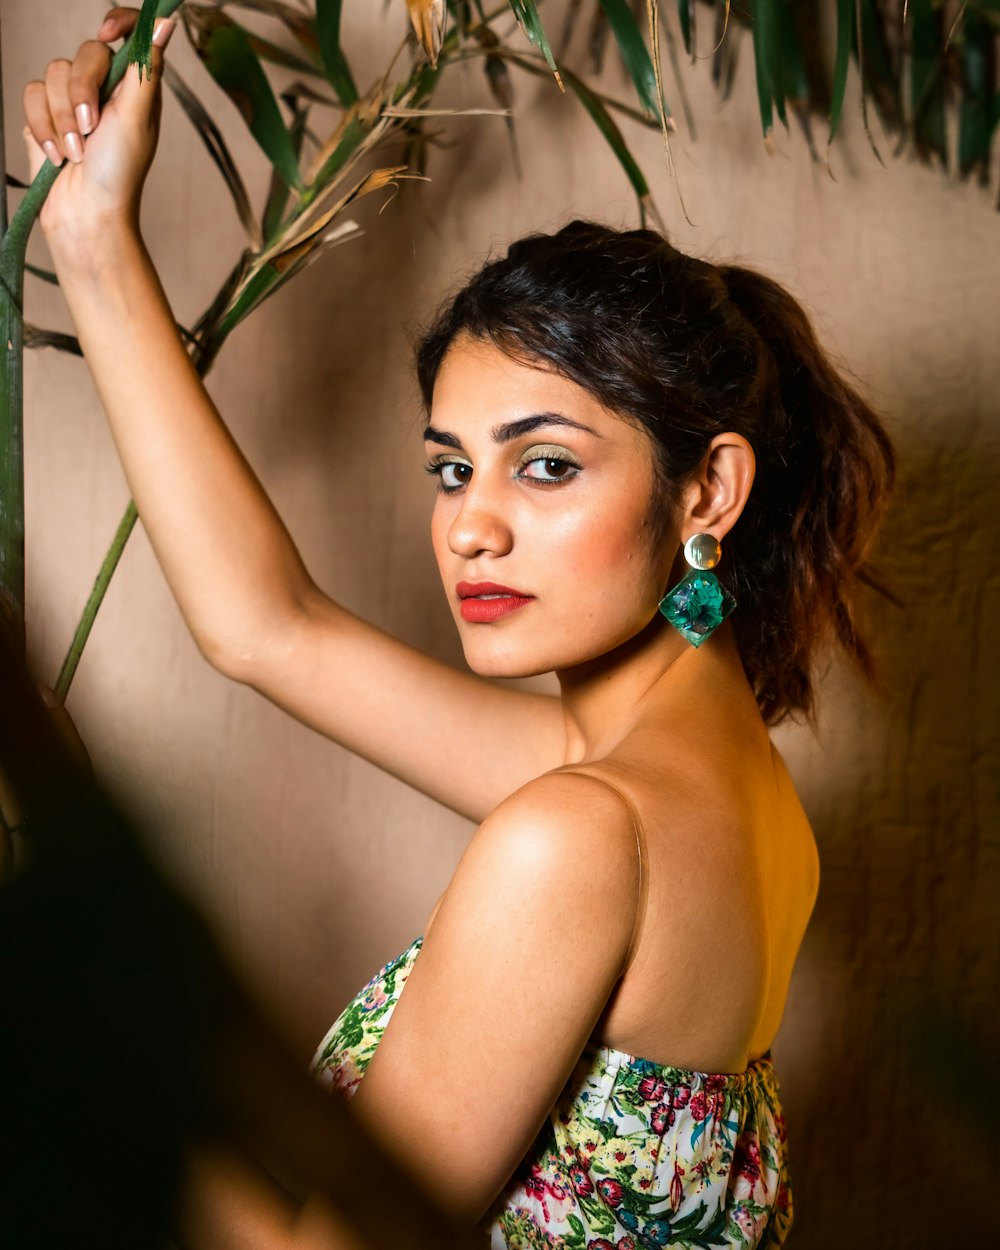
{"points": [[33, 337], [212, 138], [794, 84], [264, 50], [845, 37], [338, 73], [278, 195], [606, 125], [926, 93], [764, 27], [974, 129], [45, 274], [226, 53], [428, 18], [529, 21], [304, 230], [634, 52], [299, 24], [684, 13], [140, 45]]}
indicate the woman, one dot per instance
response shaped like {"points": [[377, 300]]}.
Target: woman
{"points": [[581, 1057]]}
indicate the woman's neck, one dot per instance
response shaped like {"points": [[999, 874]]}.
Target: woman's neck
{"points": [[606, 698]]}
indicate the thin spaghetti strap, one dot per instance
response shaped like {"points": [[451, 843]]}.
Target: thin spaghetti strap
{"points": [[642, 856]]}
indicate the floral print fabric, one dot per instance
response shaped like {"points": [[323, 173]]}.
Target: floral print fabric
{"points": [[634, 1156]]}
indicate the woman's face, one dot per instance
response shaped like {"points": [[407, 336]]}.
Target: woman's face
{"points": [[541, 523]]}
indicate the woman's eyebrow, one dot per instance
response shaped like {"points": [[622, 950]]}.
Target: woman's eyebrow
{"points": [[512, 429]]}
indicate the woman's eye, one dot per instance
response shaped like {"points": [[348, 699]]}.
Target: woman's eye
{"points": [[453, 474], [549, 469]]}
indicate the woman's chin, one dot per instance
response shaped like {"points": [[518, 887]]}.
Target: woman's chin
{"points": [[502, 663]]}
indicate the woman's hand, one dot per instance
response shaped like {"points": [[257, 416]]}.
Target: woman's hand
{"points": [[107, 152]]}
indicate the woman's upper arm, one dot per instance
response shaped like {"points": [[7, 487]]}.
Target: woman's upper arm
{"points": [[459, 738], [524, 953]]}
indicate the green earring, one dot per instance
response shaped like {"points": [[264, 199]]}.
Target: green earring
{"points": [[699, 603]]}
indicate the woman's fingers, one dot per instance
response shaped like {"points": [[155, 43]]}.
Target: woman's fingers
{"points": [[65, 108], [40, 123], [87, 74], [36, 157]]}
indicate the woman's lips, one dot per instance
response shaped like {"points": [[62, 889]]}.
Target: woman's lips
{"points": [[483, 602]]}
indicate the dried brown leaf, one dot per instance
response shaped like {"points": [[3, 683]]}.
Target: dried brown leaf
{"points": [[428, 19]]}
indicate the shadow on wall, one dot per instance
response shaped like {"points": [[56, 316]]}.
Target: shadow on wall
{"points": [[891, 1105]]}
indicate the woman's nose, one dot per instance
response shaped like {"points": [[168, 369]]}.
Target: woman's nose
{"points": [[479, 527]]}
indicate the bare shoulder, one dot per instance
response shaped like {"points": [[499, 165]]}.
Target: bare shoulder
{"points": [[565, 841]]}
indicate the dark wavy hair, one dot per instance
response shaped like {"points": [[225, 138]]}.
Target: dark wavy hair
{"points": [[688, 350]]}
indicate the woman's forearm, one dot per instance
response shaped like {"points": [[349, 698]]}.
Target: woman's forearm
{"points": [[226, 554]]}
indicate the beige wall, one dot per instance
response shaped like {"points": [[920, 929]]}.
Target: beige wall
{"points": [[314, 867]]}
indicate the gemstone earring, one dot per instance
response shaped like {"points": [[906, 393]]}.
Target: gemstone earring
{"points": [[699, 603]]}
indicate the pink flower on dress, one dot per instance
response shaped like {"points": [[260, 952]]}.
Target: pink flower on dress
{"points": [[746, 1158], [620, 1156], [581, 1180], [699, 1105], [601, 1243], [376, 997], [611, 1191], [682, 1095], [652, 1089], [662, 1118]]}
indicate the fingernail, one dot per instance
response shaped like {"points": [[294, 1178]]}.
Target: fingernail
{"points": [[84, 118], [74, 148], [52, 152], [106, 29], [164, 29]]}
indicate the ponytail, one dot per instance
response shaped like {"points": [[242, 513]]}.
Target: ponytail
{"points": [[825, 471]]}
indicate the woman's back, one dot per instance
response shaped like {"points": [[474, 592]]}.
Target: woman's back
{"points": [[730, 873]]}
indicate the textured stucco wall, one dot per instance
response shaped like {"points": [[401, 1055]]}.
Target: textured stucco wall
{"points": [[314, 866]]}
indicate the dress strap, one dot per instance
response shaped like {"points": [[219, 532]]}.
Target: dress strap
{"points": [[641, 853]]}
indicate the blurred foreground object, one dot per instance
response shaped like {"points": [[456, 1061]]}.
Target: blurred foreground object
{"points": [[126, 1042]]}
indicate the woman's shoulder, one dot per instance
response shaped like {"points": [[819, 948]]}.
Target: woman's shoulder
{"points": [[569, 828]]}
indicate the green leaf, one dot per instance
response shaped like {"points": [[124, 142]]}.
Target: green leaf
{"points": [[766, 42], [974, 129], [606, 125], [338, 73], [529, 21], [45, 274], [140, 46], [212, 138], [634, 52], [845, 38], [684, 13], [277, 198], [926, 86], [228, 57]]}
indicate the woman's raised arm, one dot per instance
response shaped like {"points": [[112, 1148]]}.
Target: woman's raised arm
{"points": [[248, 600]]}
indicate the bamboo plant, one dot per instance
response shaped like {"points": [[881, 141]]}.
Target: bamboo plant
{"points": [[910, 57]]}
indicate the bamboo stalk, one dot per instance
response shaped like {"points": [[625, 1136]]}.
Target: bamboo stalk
{"points": [[11, 414], [94, 601], [13, 250]]}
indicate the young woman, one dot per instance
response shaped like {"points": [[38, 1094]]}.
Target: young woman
{"points": [[581, 1056]]}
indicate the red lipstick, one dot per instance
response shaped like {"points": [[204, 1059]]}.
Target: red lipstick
{"points": [[483, 602]]}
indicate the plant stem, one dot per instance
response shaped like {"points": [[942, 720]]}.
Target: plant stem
{"points": [[13, 250], [68, 670], [11, 415]]}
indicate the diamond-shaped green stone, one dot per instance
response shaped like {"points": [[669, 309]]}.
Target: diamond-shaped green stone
{"points": [[697, 605]]}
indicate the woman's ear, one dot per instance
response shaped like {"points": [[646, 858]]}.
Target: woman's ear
{"points": [[715, 496]]}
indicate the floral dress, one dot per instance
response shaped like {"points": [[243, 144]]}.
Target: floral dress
{"points": [[635, 1155]]}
